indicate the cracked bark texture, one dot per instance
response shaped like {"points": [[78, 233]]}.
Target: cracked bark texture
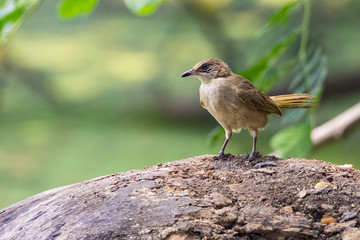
{"points": [[197, 198]]}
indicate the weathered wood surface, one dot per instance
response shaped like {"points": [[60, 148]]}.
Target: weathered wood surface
{"points": [[196, 198]]}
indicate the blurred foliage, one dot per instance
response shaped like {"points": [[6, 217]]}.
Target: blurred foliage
{"points": [[12, 14], [293, 141], [216, 135], [143, 7], [74, 8], [309, 76], [257, 73], [103, 94], [280, 17]]}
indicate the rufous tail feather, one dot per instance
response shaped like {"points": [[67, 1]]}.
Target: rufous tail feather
{"points": [[300, 100]]}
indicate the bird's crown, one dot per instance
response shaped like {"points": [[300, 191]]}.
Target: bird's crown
{"points": [[212, 65]]}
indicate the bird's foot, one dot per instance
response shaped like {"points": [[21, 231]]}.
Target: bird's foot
{"points": [[222, 156], [254, 155], [265, 164]]}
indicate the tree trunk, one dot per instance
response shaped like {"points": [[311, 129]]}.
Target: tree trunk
{"points": [[197, 198]]}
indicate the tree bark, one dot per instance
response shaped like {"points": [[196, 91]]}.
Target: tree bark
{"points": [[197, 198]]}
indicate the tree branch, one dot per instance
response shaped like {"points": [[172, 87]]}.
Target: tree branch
{"points": [[336, 127]]}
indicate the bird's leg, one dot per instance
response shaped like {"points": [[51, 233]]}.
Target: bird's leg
{"points": [[253, 151], [222, 150], [221, 154]]}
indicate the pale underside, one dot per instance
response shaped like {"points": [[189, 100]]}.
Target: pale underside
{"points": [[227, 108]]}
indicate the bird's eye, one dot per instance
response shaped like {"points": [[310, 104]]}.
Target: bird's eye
{"points": [[204, 66]]}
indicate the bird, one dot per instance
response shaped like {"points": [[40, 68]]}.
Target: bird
{"points": [[236, 103]]}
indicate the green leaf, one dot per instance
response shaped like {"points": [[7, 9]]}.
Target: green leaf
{"points": [[73, 8], [293, 141], [294, 115], [215, 135], [314, 58], [317, 71], [143, 7], [256, 73], [318, 77], [257, 69], [280, 17], [274, 74], [12, 14], [313, 84]]}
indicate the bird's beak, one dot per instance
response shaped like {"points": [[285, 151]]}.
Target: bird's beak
{"points": [[188, 73]]}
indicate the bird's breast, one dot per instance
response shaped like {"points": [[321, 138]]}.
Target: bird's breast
{"points": [[219, 98], [221, 101], [225, 106]]}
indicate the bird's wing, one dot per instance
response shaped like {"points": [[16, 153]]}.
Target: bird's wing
{"points": [[253, 97]]}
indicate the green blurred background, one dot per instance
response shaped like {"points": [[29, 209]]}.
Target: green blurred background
{"points": [[103, 94]]}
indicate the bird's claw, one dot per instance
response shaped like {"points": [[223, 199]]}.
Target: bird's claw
{"points": [[253, 156], [221, 155]]}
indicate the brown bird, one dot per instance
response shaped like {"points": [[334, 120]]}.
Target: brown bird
{"points": [[235, 102]]}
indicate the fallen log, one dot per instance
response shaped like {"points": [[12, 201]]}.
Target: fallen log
{"points": [[198, 198]]}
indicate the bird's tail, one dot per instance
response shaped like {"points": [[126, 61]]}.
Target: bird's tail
{"points": [[300, 100]]}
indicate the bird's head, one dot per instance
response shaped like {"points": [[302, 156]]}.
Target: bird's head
{"points": [[209, 69]]}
